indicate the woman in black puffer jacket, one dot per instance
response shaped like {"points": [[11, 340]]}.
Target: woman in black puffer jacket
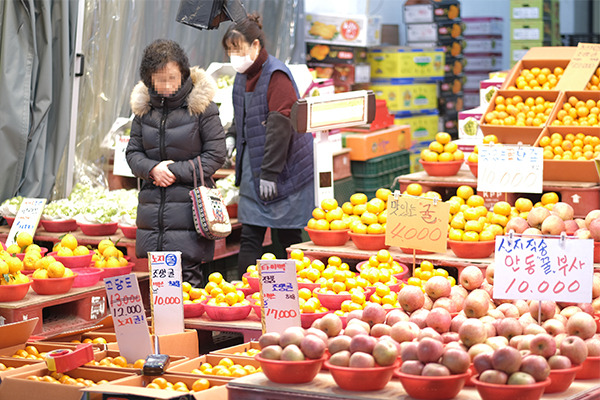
{"points": [[175, 121]]}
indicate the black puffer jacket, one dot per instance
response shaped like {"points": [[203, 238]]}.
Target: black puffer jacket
{"points": [[177, 128]]}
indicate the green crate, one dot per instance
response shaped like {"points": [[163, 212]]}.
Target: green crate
{"points": [[343, 189], [379, 165]]}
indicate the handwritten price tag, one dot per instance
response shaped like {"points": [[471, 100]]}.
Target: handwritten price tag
{"points": [[127, 308], [27, 218], [278, 295], [166, 292], [511, 169], [417, 223], [544, 269], [581, 67]]}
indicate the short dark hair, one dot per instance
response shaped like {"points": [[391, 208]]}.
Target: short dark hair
{"points": [[247, 30], [158, 54]]}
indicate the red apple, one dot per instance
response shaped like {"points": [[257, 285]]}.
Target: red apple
{"points": [[457, 361], [493, 376], [373, 313], [532, 231], [593, 346], [575, 348], [571, 227], [563, 210], [543, 345], [554, 326], [394, 316], [581, 324], [439, 319], [548, 309], [437, 286], [509, 310], [559, 362], [483, 362], [476, 304], [408, 351], [412, 367], [429, 350], [471, 277], [509, 328], [419, 317], [472, 331], [430, 333], [445, 303], [457, 321], [591, 215], [536, 216], [507, 359], [404, 331], [536, 366], [594, 228], [411, 298], [553, 225], [489, 272]]}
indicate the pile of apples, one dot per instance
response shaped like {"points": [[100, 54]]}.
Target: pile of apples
{"points": [[429, 357]]}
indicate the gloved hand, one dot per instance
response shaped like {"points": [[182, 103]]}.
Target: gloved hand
{"points": [[268, 190], [230, 145]]}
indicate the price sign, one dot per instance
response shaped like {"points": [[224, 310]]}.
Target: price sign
{"points": [[278, 295], [127, 308], [417, 223], [582, 66], [543, 269], [166, 292], [511, 169], [27, 218]]}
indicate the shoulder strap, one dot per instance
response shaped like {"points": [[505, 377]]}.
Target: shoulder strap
{"points": [[194, 172]]}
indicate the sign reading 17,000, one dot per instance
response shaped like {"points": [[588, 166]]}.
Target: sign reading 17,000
{"points": [[417, 222], [511, 169]]}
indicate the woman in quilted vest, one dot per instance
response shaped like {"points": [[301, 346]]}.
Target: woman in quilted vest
{"points": [[175, 121], [274, 164]]}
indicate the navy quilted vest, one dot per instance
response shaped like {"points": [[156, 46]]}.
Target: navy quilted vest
{"points": [[299, 168]]}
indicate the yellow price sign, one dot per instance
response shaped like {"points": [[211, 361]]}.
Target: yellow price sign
{"points": [[417, 222]]}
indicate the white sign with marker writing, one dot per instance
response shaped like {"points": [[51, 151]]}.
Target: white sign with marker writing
{"points": [[166, 292], [27, 218], [511, 169], [278, 295]]}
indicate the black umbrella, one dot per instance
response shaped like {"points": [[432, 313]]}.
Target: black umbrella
{"points": [[208, 14]]}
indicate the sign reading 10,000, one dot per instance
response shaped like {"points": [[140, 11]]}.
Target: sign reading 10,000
{"points": [[511, 169]]}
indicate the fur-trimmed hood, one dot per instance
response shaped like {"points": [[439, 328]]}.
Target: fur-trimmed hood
{"points": [[203, 91]]}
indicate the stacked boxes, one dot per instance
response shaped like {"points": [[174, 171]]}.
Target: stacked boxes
{"points": [[483, 52], [438, 24], [533, 23]]}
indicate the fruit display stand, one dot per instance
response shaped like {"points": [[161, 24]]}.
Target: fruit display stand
{"points": [[78, 308], [257, 386]]}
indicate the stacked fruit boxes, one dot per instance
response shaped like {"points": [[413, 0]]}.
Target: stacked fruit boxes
{"points": [[483, 36], [533, 23]]}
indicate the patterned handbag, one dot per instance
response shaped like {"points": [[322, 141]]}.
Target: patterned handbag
{"points": [[209, 210]]}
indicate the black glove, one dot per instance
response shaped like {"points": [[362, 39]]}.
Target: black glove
{"points": [[268, 190]]}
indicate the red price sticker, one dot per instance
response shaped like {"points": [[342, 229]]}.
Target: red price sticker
{"points": [[551, 269], [350, 29], [417, 223], [279, 295]]}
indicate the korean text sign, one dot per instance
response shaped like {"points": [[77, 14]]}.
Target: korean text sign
{"points": [[127, 308], [552, 269], [166, 292], [27, 218], [417, 222], [511, 169], [279, 295]]}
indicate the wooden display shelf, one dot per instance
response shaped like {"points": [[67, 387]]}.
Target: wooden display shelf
{"points": [[582, 196], [78, 308], [323, 387], [250, 327]]}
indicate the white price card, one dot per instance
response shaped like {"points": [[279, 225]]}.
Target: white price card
{"points": [[278, 295], [166, 292], [539, 268], [27, 218], [417, 223], [129, 317], [511, 169]]}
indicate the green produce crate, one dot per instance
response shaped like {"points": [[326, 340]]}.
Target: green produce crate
{"points": [[369, 184], [343, 189], [379, 165]]}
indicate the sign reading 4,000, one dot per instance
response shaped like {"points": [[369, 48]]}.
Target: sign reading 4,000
{"points": [[512, 169]]}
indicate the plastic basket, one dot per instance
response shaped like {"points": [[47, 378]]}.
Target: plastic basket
{"points": [[379, 165]]}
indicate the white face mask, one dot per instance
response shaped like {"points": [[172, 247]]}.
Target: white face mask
{"points": [[241, 63]]}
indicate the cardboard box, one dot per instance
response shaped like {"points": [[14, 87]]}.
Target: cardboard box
{"points": [[528, 64], [345, 30], [434, 32], [134, 388], [332, 54], [487, 88], [483, 62], [468, 123], [483, 44], [423, 127], [17, 387], [405, 94], [451, 48], [364, 146], [519, 48], [239, 350], [483, 26], [406, 62], [530, 9], [530, 30], [177, 344], [98, 356], [17, 366], [434, 11], [186, 367]]}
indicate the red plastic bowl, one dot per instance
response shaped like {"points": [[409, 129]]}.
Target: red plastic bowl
{"points": [[53, 285], [9, 220], [432, 387], [291, 372], [67, 225], [441, 168], [252, 282], [74, 261], [404, 275], [14, 292], [232, 210], [128, 231], [361, 379], [99, 229], [218, 313], [369, 242], [328, 238], [306, 319], [590, 369], [43, 251], [471, 371], [597, 252], [246, 290], [86, 276], [193, 310], [473, 167], [561, 379], [309, 286], [332, 301], [110, 272], [492, 391], [482, 249]]}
